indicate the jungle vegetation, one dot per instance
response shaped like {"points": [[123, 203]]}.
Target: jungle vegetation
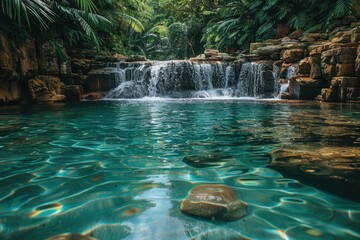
{"points": [[163, 29]]}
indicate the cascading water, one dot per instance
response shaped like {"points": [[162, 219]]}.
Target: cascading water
{"points": [[290, 72], [255, 80], [188, 79]]}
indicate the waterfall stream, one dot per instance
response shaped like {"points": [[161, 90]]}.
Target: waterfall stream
{"points": [[187, 79]]}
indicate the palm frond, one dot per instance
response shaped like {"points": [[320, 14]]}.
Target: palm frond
{"points": [[342, 7], [23, 11], [87, 5]]}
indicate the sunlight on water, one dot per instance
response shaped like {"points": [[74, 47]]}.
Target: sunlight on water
{"points": [[119, 169]]}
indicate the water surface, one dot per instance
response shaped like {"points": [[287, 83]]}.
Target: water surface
{"points": [[114, 169]]}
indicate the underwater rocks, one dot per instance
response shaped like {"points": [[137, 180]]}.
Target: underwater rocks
{"points": [[213, 201], [70, 237], [209, 160], [222, 234], [336, 169]]}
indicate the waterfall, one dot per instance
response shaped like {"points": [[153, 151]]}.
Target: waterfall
{"points": [[189, 79], [293, 88], [284, 87], [255, 80]]}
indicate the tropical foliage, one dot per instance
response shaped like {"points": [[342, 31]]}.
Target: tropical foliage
{"points": [[165, 28], [241, 22]]}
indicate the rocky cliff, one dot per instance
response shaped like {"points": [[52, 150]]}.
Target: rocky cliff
{"points": [[327, 66]]}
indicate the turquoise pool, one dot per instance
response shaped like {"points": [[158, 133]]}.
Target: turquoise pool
{"points": [[114, 169]]}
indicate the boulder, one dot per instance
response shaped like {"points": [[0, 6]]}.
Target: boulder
{"points": [[136, 58], [338, 61], [304, 88], [292, 45], [272, 41], [256, 45], [46, 89], [214, 201], [72, 93], [315, 63], [211, 53], [304, 67], [265, 51], [341, 37], [292, 55], [94, 96]]}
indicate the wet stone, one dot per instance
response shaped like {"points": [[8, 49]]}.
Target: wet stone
{"points": [[70, 237], [214, 201], [333, 169], [221, 234], [209, 160]]}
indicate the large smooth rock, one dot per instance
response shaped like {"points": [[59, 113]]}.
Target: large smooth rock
{"points": [[334, 169], [209, 160], [211, 52], [265, 51], [214, 201]]}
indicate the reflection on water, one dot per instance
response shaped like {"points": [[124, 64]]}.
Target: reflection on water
{"points": [[119, 169]]}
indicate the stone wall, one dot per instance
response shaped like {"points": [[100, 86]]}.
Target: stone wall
{"points": [[327, 65], [34, 72]]}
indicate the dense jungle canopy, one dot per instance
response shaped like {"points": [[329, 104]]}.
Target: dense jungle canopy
{"points": [[166, 29]]}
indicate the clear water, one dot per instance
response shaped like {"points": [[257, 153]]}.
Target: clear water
{"points": [[114, 170]]}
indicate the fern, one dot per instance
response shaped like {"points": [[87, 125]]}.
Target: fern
{"points": [[342, 7], [299, 20]]}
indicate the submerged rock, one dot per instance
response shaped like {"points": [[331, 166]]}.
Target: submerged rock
{"points": [[222, 234], [214, 201], [70, 237], [336, 170], [209, 160]]}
